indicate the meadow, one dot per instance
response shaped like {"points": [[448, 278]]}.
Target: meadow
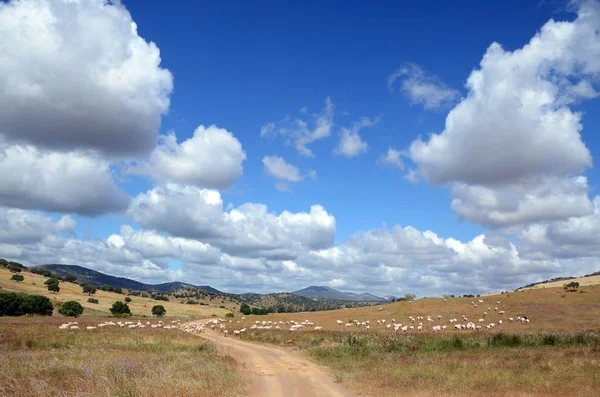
{"points": [[558, 352], [38, 359], [34, 284]]}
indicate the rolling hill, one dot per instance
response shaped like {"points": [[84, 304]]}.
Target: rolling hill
{"points": [[93, 277], [321, 292]]}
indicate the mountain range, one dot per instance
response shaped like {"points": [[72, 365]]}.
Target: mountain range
{"points": [[321, 292], [85, 275]]}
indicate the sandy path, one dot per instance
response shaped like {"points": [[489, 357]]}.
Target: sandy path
{"points": [[278, 372]]}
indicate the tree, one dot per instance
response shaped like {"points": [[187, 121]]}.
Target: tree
{"points": [[14, 269], [88, 289], [245, 309], [52, 284], [70, 278], [409, 297], [15, 304], [128, 299], [92, 300], [71, 309], [572, 286], [158, 310], [120, 309], [17, 277]]}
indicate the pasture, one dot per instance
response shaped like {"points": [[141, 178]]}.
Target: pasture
{"points": [[38, 359], [34, 284], [557, 352]]}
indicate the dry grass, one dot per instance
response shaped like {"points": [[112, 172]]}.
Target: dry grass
{"points": [[37, 359], [550, 310], [34, 284], [557, 353], [583, 282]]}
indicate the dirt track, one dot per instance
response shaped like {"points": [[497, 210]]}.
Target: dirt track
{"points": [[278, 372]]}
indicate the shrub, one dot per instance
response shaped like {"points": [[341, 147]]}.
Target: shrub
{"points": [[71, 309], [15, 304], [161, 298], [14, 269], [52, 284], [92, 300], [120, 309], [230, 315], [158, 310], [245, 309], [127, 299], [19, 277]]}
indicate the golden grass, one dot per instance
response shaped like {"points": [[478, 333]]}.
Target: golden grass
{"points": [[37, 359], [583, 282], [34, 284], [549, 356], [549, 309]]}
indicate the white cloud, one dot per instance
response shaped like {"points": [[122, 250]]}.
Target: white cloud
{"points": [[299, 132], [351, 144], [422, 88], [277, 167], [76, 75], [71, 182], [23, 227], [248, 230], [283, 187], [312, 174], [512, 146], [392, 158], [211, 158]]}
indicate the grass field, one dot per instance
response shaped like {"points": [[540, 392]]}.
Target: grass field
{"points": [[583, 282], [34, 284], [558, 353], [38, 359]]}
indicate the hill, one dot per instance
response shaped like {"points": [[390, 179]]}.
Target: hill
{"points": [[588, 279], [85, 275], [321, 292]]}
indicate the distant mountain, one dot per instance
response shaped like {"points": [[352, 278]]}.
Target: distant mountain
{"points": [[390, 297], [93, 277], [321, 292]]}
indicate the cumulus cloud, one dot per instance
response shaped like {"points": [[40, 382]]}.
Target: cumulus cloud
{"points": [[76, 74], [301, 132], [392, 158], [22, 227], [350, 143], [211, 158], [421, 87], [277, 167], [514, 140], [71, 182], [249, 230]]}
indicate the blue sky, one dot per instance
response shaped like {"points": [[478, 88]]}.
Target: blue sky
{"points": [[241, 66]]}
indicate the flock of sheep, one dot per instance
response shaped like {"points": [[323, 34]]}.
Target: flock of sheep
{"points": [[127, 324], [414, 323]]}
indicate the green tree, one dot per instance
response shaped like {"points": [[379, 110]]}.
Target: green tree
{"points": [[409, 297], [120, 309], [245, 309], [17, 277], [14, 269], [158, 310], [71, 309], [70, 278], [127, 299], [88, 289], [92, 300], [52, 284]]}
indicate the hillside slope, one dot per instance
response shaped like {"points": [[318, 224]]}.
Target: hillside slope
{"points": [[93, 277]]}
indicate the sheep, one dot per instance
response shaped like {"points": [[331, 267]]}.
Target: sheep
{"points": [[320, 328], [405, 328], [436, 328], [499, 322], [225, 332], [480, 320], [236, 332], [348, 325], [339, 322], [510, 319]]}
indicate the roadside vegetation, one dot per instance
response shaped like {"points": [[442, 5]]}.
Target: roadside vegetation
{"points": [[38, 359]]}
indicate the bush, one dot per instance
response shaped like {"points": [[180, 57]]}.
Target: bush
{"points": [[127, 299], [158, 310], [120, 309], [52, 284], [19, 277], [14, 269], [245, 309], [15, 304], [93, 300], [230, 315], [161, 298], [71, 309]]}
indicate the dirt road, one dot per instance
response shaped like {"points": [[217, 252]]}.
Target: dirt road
{"points": [[278, 372]]}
